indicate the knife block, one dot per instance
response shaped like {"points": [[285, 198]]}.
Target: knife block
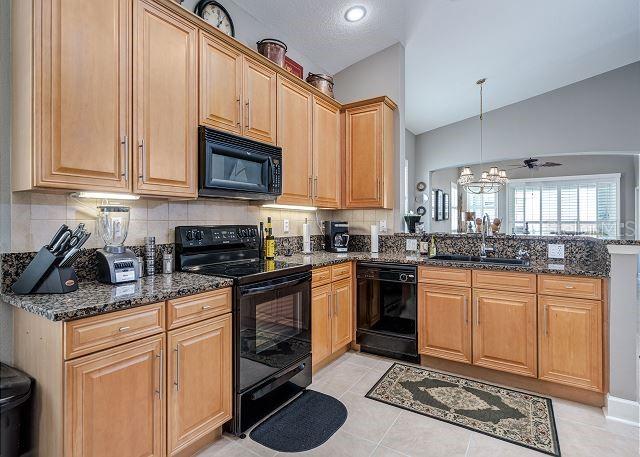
{"points": [[44, 276]]}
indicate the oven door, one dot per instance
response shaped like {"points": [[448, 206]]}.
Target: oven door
{"points": [[234, 169], [273, 327]]}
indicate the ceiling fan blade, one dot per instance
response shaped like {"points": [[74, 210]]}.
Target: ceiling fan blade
{"points": [[550, 164], [513, 167]]}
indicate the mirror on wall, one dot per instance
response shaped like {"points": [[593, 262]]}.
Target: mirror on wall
{"points": [[590, 195]]}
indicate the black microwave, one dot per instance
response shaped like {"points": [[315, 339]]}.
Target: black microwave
{"points": [[234, 167]]}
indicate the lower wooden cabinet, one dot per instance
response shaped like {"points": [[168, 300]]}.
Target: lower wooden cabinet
{"points": [[504, 331], [331, 318], [114, 402], [444, 322], [570, 341], [198, 381]]}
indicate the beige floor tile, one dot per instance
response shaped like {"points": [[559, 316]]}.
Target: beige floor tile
{"points": [[364, 385], [225, 447], [382, 451], [338, 378], [581, 440], [591, 415], [417, 435], [368, 419], [342, 444], [486, 446], [249, 444], [368, 360]]}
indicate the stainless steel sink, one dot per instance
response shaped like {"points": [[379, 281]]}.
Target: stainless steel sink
{"points": [[477, 259]]}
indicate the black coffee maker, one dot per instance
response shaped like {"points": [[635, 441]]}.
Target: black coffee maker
{"points": [[336, 236]]}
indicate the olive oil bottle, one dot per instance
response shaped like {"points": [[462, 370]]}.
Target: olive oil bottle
{"points": [[269, 242], [432, 247]]}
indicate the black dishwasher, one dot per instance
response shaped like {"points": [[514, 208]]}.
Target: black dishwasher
{"points": [[387, 310]]}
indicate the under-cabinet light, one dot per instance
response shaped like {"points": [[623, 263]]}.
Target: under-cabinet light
{"points": [[290, 207], [105, 196]]}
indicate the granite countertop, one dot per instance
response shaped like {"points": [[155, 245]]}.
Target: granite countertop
{"points": [[93, 298], [321, 259]]}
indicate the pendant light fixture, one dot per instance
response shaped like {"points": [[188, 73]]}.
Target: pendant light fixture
{"points": [[490, 181]]}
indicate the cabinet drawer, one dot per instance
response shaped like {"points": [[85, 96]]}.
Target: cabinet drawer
{"points": [[92, 334], [320, 276], [445, 276], [502, 280], [570, 286], [185, 310], [341, 271]]}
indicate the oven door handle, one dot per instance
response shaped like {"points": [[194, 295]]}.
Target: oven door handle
{"points": [[252, 290]]}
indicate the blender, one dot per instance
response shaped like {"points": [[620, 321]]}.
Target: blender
{"points": [[116, 264]]}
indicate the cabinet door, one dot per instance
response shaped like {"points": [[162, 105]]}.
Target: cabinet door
{"points": [[342, 320], [295, 112], [444, 322], [114, 402], [504, 331], [199, 380], [220, 85], [259, 89], [570, 341], [165, 102], [363, 157], [83, 104], [326, 155], [321, 323]]}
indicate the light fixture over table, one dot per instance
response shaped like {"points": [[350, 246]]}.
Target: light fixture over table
{"points": [[490, 181]]}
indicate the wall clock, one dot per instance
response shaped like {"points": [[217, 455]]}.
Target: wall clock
{"points": [[216, 15]]}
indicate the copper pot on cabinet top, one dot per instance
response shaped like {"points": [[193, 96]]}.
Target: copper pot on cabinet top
{"points": [[322, 82], [273, 49]]}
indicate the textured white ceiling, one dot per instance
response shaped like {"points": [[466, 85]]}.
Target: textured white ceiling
{"points": [[524, 48]]}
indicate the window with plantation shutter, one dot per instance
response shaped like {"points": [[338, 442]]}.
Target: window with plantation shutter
{"points": [[482, 204], [570, 205]]}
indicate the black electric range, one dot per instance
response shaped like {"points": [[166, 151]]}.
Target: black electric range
{"points": [[271, 316]]}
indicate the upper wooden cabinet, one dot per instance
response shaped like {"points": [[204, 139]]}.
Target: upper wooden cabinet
{"points": [[369, 154], [327, 159], [295, 137], [505, 331], [259, 89], [165, 110], [71, 94]]}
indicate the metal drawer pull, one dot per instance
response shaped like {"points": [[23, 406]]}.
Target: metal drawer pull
{"points": [[206, 306], [159, 390], [569, 286], [124, 329], [177, 381]]}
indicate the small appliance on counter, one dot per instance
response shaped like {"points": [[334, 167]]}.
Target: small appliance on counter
{"points": [[336, 236], [51, 271], [116, 264]]}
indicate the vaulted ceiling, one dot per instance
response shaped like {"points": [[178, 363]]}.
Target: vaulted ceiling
{"points": [[523, 48]]}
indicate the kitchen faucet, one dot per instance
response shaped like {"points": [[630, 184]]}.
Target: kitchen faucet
{"points": [[484, 249]]}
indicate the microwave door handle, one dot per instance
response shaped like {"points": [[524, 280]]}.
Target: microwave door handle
{"points": [[270, 174]]}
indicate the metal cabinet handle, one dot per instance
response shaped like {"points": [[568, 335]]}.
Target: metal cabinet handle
{"points": [[477, 312], [142, 151], [569, 286], [310, 189], [159, 390], [206, 306], [315, 187], [545, 318], [330, 307], [239, 112], [177, 377], [377, 188], [335, 304], [124, 329], [125, 143], [466, 311], [248, 105]]}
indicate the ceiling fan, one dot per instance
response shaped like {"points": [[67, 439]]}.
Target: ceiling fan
{"points": [[532, 164]]}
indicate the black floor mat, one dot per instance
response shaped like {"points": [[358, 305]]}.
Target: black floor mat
{"points": [[304, 424]]}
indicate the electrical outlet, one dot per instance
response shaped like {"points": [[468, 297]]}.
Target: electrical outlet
{"points": [[411, 245], [285, 226], [382, 226], [555, 251]]}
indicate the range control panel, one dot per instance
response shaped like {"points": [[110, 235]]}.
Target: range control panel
{"points": [[217, 235]]}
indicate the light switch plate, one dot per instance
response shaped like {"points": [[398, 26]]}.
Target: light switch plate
{"points": [[412, 245], [382, 226], [285, 226], [555, 251]]}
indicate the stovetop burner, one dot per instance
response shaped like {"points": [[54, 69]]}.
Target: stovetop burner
{"points": [[243, 268]]}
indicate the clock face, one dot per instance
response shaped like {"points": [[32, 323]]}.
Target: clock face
{"points": [[217, 16]]}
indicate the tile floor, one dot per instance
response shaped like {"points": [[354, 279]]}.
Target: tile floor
{"points": [[376, 429]]}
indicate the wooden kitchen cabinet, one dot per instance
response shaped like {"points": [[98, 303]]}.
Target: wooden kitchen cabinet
{"points": [[444, 322], [570, 341], [327, 158], [114, 402], [295, 136], [199, 368], [505, 332], [165, 108], [331, 313], [259, 88], [71, 95], [220, 85], [369, 154]]}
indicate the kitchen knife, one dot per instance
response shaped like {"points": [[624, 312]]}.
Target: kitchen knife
{"points": [[57, 248], [70, 258], [57, 236]]}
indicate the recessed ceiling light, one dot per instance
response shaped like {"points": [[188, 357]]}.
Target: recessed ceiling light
{"points": [[355, 13]]}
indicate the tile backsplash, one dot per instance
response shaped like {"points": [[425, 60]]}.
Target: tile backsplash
{"points": [[36, 216]]}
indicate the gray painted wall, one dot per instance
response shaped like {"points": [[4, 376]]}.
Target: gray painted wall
{"points": [[597, 115], [410, 156], [380, 74]]}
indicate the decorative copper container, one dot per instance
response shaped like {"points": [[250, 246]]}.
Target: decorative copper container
{"points": [[273, 49], [322, 82]]}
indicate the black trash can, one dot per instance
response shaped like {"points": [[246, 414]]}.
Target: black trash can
{"points": [[15, 392]]}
